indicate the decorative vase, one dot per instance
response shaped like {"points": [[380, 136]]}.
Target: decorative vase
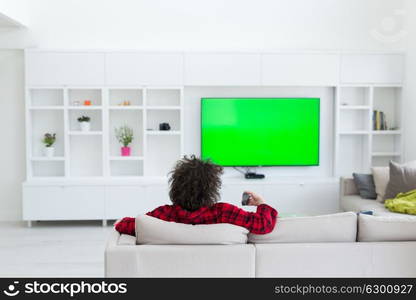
{"points": [[125, 151], [85, 126], [49, 152]]}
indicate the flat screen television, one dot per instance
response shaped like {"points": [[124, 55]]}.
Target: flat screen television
{"points": [[260, 131]]}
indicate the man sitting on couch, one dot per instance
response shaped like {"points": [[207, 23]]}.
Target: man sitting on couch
{"points": [[194, 191]]}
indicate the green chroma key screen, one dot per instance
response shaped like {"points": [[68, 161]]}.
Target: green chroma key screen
{"points": [[260, 131]]}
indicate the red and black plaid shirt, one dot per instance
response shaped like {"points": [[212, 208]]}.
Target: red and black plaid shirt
{"points": [[260, 222]]}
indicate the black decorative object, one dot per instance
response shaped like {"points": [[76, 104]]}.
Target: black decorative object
{"points": [[164, 126]]}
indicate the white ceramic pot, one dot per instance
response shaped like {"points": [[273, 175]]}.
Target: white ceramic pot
{"points": [[49, 152], [85, 126]]}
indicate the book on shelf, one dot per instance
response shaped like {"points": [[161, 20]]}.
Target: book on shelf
{"points": [[379, 120]]}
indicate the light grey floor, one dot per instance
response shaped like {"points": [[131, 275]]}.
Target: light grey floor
{"points": [[53, 249]]}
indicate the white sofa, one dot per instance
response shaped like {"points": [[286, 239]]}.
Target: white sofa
{"points": [[351, 201], [323, 246]]}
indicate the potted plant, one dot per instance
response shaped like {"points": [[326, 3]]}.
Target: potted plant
{"points": [[124, 135], [84, 123], [49, 139]]}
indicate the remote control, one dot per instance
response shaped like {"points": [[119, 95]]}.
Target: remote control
{"points": [[246, 197]]}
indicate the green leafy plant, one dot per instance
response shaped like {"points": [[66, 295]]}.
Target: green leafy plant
{"points": [[49, 139], [84, 119], [124, 135]]}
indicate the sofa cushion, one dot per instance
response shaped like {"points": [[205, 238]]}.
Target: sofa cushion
{"points": [[386, 228], [150, 230], [381, 179], [402, 180], [365, 185], [340, 227]]}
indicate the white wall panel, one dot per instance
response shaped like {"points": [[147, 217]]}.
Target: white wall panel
{"points": [[144, 68], [300, 69], [64, 68], [372, 68], [222, 69]]}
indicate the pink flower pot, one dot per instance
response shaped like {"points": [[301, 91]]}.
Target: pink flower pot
{"points": [[125, 151]]}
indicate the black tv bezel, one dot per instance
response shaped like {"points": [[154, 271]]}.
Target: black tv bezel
{"points": [[258, 166]]}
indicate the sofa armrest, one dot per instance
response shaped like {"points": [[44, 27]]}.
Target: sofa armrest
{"points": [[123, 258], [348, 187], [120, 255], [126, 240]]}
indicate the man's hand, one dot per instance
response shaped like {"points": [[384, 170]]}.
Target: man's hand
{"points": [[254, 199]]}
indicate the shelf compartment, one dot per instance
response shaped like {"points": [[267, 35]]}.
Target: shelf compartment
{"points": [[164, 107], [356, 96], [48, 168], [387, 100], [386, 144], [43, 158], [162, 153], [123, 158], [133, 119], [156, 117], [46, 97], [386, 132], [353, 154], [354, 132], [383, 161], [85, 107], [86, 157], [162, 132], [354, 120], [47, 121], [118, 96], [385, 154], [94, 114], [80, 95], [355, 107], [85, 133], [127, 168], [46, 108], [126, 107], [163, 97]]}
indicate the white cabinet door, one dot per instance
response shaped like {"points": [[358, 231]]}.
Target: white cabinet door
{"points": [[125, 201], [300, 69], [156, 195], [378, 68], [43, 202], [144, 69], [63, 203], [62, 68], [222, 69], [84, 202]]}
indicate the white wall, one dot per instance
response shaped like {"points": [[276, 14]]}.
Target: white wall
{"points": [[12, 150], [409, 93], [174, 24], [211, 25]]}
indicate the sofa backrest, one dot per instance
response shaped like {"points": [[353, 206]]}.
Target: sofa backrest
{"points": [[340, 227], [386, 228], [150, 230]]}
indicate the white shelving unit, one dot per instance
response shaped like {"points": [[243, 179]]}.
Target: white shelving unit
{"points": [[88, 171], [358, 147], [96, 154]]}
